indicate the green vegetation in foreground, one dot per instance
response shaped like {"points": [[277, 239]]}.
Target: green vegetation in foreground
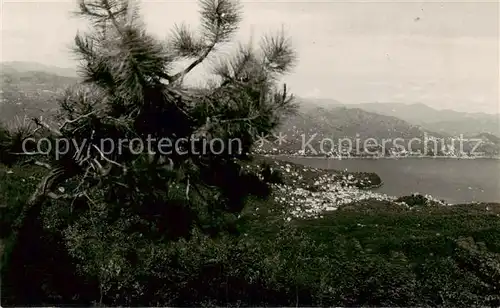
{"points": [[207, 229], [368, 253]]}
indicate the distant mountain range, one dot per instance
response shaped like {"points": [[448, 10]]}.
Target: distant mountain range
{"points": [[320, 126], [443, 121], [32, 88], [24, 67], [338, 122]]}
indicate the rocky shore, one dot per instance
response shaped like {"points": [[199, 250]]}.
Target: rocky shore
{"points": [[306, 192]]}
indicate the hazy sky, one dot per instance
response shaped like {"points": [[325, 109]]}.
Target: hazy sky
{"points": [[444, 54]]}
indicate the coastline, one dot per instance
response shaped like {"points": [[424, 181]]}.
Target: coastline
{"points": [[374, 185], [375, 158]]}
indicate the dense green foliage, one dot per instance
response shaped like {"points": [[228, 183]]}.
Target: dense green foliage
{"points": [[4, 143], [363, 254]]}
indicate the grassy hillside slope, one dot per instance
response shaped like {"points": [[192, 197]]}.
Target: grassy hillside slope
{"points": [[372, 251]]}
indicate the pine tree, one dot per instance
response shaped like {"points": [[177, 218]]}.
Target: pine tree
{"points": [[115, 195], [131, 91]]}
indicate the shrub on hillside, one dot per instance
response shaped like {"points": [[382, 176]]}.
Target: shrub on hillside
{"points": [[13, 140], [413, 200]]}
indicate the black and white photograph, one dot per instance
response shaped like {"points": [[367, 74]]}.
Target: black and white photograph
{"points": [[237, 153]]}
